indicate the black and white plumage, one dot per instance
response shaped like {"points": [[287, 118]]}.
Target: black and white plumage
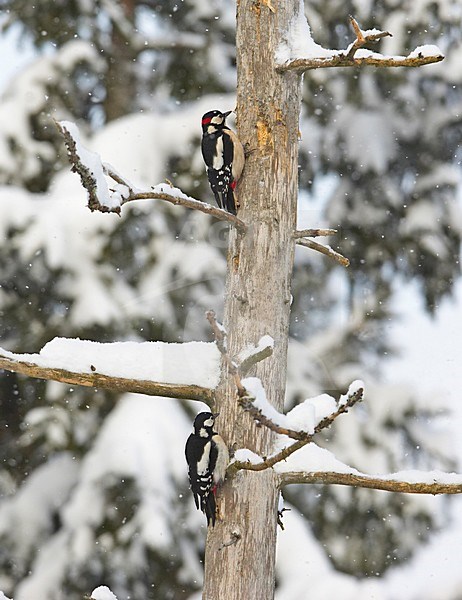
{"points": [[224, 158], [207, 457]]}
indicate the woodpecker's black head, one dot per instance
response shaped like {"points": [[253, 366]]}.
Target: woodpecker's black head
{"points": [[203, 424], [213, 120]]}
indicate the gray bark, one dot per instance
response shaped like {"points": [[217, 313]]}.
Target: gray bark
{"points": [[240, 551]]}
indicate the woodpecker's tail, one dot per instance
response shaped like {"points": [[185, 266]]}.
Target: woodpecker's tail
{"points": [[230, 201], [209, 508]]}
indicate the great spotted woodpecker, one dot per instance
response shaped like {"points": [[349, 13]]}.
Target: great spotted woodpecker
{"points": [[224, 157], [207, 457]]}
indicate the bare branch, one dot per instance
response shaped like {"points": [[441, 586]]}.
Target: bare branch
{"points": [[250, 357], [220, 339], [326, 250], [128, 194], [303, 438], [208, 209], [300, 65], [313, 233], [366, 481], [361, 39], [348, 57], [118, 384]]}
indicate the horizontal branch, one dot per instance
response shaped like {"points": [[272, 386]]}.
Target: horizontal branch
{"points": [[366, 481], [188, 202], [314, 233], [299, 65], [118, 384], [326, 250], [350, 58]]}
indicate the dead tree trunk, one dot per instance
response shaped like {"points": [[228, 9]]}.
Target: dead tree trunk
{"points": [[240, 552]]}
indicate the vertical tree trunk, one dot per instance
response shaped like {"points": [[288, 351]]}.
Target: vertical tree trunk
{"points": [[240, 551]]}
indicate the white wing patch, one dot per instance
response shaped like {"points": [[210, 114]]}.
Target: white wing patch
{"points": [[217, 163], [203, 464]]}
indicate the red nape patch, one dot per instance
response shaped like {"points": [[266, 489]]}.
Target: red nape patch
{"points": [[233, 184], [206, 121]]}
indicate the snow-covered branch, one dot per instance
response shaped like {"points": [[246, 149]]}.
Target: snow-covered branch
{"points": [[304, 462], [187, 371], [323, 249], [267, 416], [300, 53], [104, 196], [247, 403], [427, 483]]}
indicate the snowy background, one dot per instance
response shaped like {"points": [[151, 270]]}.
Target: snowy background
{"points": [[392, 321]]}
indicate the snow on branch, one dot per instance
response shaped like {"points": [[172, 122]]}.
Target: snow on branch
{"points": [[300, 53], [323, 249], [304, 462], [105, 196], [257, 406], [187, 371], [252, 355], [308, 418]]}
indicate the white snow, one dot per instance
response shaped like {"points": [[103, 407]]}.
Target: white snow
{"points": [[102, 593], [353, 388], [426, 50], [265, 342], [30, 511], [298, 42], [304, 416], [193, 363], [246, 455], [93, 162]]}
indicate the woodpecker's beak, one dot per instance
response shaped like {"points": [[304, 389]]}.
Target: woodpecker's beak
{"points": [[226, 114], [215, 415]]}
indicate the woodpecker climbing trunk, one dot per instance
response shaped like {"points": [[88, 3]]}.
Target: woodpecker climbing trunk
{"points": [[240, 551]]}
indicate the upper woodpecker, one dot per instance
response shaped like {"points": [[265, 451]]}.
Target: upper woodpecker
{"points": [[207, 457], [224, 157]]}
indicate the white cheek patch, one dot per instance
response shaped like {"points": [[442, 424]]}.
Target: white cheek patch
{"points": [[217, 120], [203, 464], [217, 163], [209, 422]]}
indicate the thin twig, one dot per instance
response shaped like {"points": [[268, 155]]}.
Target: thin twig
{"points": [[314, 233], [326, 250], [254, 357], [361, 39], [303, 438]]}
